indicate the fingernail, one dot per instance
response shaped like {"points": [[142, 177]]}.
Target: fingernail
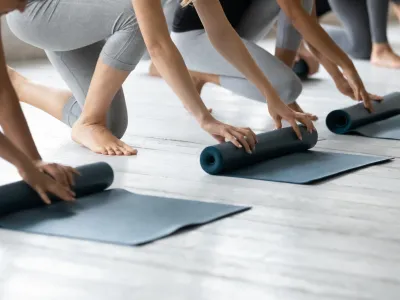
{"points": [[250, 152]]}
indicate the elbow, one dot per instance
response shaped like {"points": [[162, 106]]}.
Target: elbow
{"points": [[159, 49]]}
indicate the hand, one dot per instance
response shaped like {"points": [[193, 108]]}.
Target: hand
{"points": [[240, 137], [62, 174], [279, 110], [352, 86], [44, 184]]}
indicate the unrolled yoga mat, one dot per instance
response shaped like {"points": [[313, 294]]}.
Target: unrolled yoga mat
{"points": [[383, 123], [111, 216], [281, 156]]}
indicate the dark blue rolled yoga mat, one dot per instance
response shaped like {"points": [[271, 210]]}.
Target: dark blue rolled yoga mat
{"points": [[383, 123], [110, 216], [280, 156]]}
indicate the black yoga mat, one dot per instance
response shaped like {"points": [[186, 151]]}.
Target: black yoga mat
{"points": [[384, 123], [111, 216], [280, 156]]}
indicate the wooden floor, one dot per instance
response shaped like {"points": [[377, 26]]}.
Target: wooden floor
{"points": [[335, 240]]}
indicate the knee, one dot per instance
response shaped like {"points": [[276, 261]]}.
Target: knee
{"points": [[290, 89]]}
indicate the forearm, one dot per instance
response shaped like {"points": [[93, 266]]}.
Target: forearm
{"points": [[231, 47], [172, 68], [11, 153], [329, 66], [14, 124], [286, 56], [314, 34], [166, 56]]}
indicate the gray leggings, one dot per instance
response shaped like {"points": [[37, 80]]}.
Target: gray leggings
{"points": [[75, 34], [364, 21], [200, 55]]}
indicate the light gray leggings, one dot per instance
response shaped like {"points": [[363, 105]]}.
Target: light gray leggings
{"points": [[200, 55], [364, 21], [74, 35]]}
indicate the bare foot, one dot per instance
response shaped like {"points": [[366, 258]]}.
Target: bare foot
{"points": [[312, 62], [100, 140], [384, 56], [294, 106], [198, 82]]}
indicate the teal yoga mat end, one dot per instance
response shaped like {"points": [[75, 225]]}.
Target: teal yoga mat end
{"points": [[211, 161], [381, 123], [338, 121]]}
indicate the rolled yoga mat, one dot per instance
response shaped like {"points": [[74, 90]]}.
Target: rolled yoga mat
{"points": [[383, 123], [280, 156], [111, 216]]}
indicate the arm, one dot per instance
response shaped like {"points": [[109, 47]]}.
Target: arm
{"points": [[227, 42], [314, 34], [166, 56], [329, 66], [172, 68], [326, 50], [16, 129], [12, 119]]}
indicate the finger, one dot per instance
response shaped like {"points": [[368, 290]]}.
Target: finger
{"points": [[229, 137], [62, 192], [304, 119], [70, 176], [43, 195], [375, 97], [246, 132], [75, 171], [65, 180], [296, 129], [219, 138], [312, 117], [242, 139], [278, 122], [367, 102], [254, 135]]}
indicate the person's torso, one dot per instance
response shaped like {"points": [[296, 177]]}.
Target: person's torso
{"points": [[186, 18]]}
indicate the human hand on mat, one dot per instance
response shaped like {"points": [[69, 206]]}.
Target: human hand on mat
{"points": [[44, 184], [352, 86], [280, 111], [60, 173], [240, 137]]}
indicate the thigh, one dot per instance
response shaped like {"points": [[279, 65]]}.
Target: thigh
{"points": [[200, 56], [353, 14], [258, 19], [77, 67], [63, 25]]}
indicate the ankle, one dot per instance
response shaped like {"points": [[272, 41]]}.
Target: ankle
{"points": [[89, 120], [381, 49]]}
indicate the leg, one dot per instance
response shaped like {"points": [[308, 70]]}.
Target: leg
{"points": [[382, 53], [201, 57], [113, 21], [50, 100], [356, 38]]}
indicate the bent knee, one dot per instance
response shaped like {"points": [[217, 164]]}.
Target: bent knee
{"points": [[290, 89]]}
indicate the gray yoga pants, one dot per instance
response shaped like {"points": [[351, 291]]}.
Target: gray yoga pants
{"points": [[75, 34], [200, 55], [364, 21]]}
